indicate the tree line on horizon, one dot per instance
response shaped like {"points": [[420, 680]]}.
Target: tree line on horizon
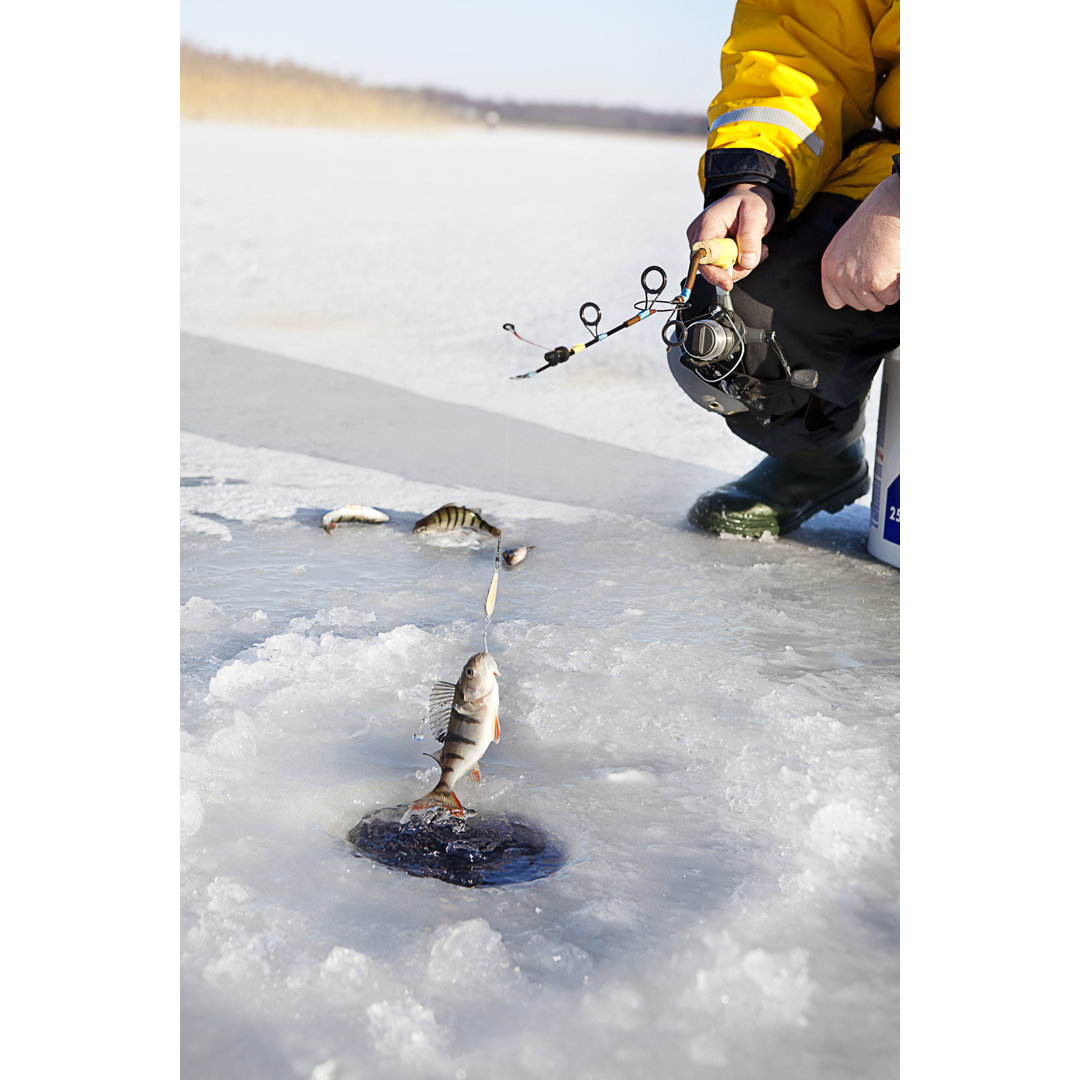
{"points": [[219, 86]]}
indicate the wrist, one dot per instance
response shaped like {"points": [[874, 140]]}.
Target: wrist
{"points": [[887, 195], [749, 187], [756, 186]]}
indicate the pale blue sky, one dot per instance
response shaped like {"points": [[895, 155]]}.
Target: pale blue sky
{"points": [[609, 52]]}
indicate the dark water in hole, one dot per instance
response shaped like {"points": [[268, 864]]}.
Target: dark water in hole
{"points": [[477, 851]]}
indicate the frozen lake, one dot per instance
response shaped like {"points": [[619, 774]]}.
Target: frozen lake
{"points": [[711, 728]]}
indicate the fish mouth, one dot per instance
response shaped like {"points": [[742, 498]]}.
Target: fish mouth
{"points": [[482, 699]]}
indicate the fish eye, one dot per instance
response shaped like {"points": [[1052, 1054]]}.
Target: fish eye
{"points": [[470, 672]]}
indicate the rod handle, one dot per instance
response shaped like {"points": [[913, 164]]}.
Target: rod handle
{"points": [[721, 251]]}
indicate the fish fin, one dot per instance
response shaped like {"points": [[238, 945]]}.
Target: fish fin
{"points": [[440, 800], [432, 756], [440, 703], [442, 689], [496, 736], [331, 527], [475, 774]]}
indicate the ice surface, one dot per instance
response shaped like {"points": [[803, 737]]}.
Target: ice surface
{"points": [[710, 726]]}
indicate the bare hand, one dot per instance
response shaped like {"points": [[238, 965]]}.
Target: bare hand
{"points": [[861, 267], [744, 212]]}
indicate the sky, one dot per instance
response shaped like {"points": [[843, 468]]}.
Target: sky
{"points": [[599, 52]]}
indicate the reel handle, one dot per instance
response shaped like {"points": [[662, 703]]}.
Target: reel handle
{"points": [[720, 251]]}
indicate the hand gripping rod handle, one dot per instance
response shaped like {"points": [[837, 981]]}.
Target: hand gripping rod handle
{"points": [[719, 251]]}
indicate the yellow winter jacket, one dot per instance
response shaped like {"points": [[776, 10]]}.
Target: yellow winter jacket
{"points": [[803, 83]]}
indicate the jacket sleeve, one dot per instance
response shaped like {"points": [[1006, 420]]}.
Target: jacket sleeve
{"points": [[799, 79]]}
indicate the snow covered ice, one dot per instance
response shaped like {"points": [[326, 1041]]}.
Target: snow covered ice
{"points": [[711, 727]]}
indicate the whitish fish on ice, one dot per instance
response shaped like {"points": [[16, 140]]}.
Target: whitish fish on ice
{"points": [[465, 718], [352, 512], [516, 555], [454, 516]]}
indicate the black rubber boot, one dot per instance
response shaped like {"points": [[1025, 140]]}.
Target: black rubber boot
{"points": [[779, 494]]}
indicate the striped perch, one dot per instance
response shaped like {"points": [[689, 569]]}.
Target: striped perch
{"points": [[454, 516], [465, 719]]}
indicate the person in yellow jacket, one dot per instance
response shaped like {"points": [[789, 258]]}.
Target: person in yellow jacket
{"points": [[802, 169]]}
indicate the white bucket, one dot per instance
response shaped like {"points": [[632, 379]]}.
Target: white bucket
{"points": [[883, 541]]}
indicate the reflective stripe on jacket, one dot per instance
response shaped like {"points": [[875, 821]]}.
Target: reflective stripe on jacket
{"points": [[803, 83]]}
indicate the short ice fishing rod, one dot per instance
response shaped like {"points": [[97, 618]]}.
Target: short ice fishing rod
{"points": [[718, 252], [705, 331]]}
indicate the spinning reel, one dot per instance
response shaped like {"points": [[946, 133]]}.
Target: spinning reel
{"points": [[707, 342]]}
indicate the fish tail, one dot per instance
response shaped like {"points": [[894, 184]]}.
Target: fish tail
{"points": [[471, 519], [436, 799]]}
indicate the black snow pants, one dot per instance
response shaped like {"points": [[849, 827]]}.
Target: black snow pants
{"points": [[845, 347]]}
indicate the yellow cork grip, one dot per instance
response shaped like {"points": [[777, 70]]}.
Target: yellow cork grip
{"points": [[722, 251]]}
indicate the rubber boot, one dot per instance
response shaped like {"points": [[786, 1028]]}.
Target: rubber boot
{"points": [[779, 494]]}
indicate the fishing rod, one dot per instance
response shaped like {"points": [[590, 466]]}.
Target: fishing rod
{"points": [[703, 333], [717, 252]]}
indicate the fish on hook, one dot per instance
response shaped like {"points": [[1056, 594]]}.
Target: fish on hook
{"points": [[464, 717]]}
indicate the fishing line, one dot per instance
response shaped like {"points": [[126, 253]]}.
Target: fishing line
{"points": [[506, 488], [510, 326], [653, 282]]}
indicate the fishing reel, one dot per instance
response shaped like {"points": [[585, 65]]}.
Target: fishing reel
{"points": [[707, 343]]}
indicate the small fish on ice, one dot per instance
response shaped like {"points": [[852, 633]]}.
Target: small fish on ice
{"points": [[454, 516], [516, 555], [352, 512], [465, 718]]}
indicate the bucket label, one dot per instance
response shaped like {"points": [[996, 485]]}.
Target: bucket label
{"points": [[891, 529], [875, 499]]}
